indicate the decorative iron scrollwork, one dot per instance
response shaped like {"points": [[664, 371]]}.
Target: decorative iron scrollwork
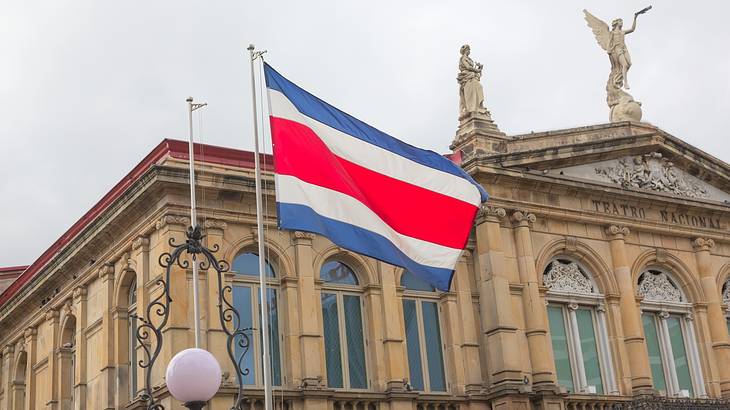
{"points": [[157, 313]]}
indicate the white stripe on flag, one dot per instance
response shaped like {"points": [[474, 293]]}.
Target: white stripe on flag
{"points": [[344, 208], [375, 158]]}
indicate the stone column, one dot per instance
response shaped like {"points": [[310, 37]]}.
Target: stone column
{"points": [[52, 319], [631, 316], [372, 308], [80, 307], [720, 343], [145, 268], [108, 386], [8, 359], [65, 357], [31, 348], [499, 332], [533, 303]]}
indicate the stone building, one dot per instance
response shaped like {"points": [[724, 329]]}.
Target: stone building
{"points": [[596, 274]]}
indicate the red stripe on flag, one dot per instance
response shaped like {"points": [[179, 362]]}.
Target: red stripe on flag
{"points": [[409, 209]]}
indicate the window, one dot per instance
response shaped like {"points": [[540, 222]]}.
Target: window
{"points": [[247, 300], [578, 330], [669, 335], [726, 301], [132, 342], [423, 335], [344, 340]]}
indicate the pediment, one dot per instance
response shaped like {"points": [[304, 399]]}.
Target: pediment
{"points": [[648, 172]]}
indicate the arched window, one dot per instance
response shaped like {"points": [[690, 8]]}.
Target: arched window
{"points": [[247, 300], [423, 334], [578, 329], [67, 356], [132, 336], [669, 334], [344, 340]]}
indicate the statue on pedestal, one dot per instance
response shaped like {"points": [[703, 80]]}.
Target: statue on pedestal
{"points": [[622, 104], [471, 93]]}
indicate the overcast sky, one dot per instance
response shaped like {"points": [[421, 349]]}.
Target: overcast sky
{"points": [[88, 88]]}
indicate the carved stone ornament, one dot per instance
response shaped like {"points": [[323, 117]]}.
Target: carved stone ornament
{"points": [[655, 286], [139, 242], [613, 230], [215, 224], [567, 277], [303, 235], [172, 220], [521, 216], [654, 173], [491, 212], [703, 244]]}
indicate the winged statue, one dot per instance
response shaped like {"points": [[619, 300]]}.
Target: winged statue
{"points": [[613, 41]]}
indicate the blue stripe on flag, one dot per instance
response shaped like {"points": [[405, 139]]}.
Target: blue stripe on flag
{"points": [[303, 218], [319, 110]]}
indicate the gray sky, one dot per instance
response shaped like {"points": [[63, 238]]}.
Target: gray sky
{"points": [[87, 88]]}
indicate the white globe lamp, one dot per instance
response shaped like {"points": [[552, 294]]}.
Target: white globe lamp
{"points": [[193, 377]]}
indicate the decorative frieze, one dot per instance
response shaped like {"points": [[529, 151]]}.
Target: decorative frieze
{"points": [[655, 286], [172, 220], [654, 173], [567, 277]]}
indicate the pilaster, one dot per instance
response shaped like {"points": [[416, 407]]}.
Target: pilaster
{"points": [[214, 338], [106, 276], [533, 303], [80, 307], [498, 321], [8, 359], [640, 372], [311, 343], [718, 347], [31, 348], [468, 324], [52, 321], [393, 332]]}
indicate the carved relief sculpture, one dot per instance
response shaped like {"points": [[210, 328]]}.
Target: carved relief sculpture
{"points": [[654, 173], [471, 93], [655, 286], [613, 41], [566, 277]]}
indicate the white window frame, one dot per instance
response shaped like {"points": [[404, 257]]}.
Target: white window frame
{"points": [[570, 302], [661, 311], [419, 297], [252, 282], [339, 290]]}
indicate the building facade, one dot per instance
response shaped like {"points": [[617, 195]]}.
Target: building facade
{"points": [[598, 274]]}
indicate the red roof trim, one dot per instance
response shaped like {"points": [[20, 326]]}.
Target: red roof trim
{"points": [[168, 147], [13, 268]]}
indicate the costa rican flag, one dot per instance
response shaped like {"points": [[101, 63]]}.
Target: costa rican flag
{"points": [[365, 190]]}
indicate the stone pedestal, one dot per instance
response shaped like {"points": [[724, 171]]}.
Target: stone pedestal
{"points": [[478, 134]]}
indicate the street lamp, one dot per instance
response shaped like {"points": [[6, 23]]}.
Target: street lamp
{"points": [[193, 377]]}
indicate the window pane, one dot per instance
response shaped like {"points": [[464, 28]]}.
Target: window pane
{"points": [[248, 264], [337, 272], [728, 324], [680, 354], [413, 344], [355, 348], [411, 282], [434, 355], [332, 340], [274, 353], [560, 347], [242, 303], [655, 356], [588, 345]]}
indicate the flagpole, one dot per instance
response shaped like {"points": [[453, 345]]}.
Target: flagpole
{"points": [[194, 217], [268, 402]]}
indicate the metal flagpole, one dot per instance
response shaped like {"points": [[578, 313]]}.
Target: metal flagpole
{"points": [[193, 217], [260, 227]]}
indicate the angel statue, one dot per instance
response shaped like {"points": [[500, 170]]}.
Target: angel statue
{"points": [[613, 41], [471, 93]]}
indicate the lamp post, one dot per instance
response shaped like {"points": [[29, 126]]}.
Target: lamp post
{"points": [[193, 376]]}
